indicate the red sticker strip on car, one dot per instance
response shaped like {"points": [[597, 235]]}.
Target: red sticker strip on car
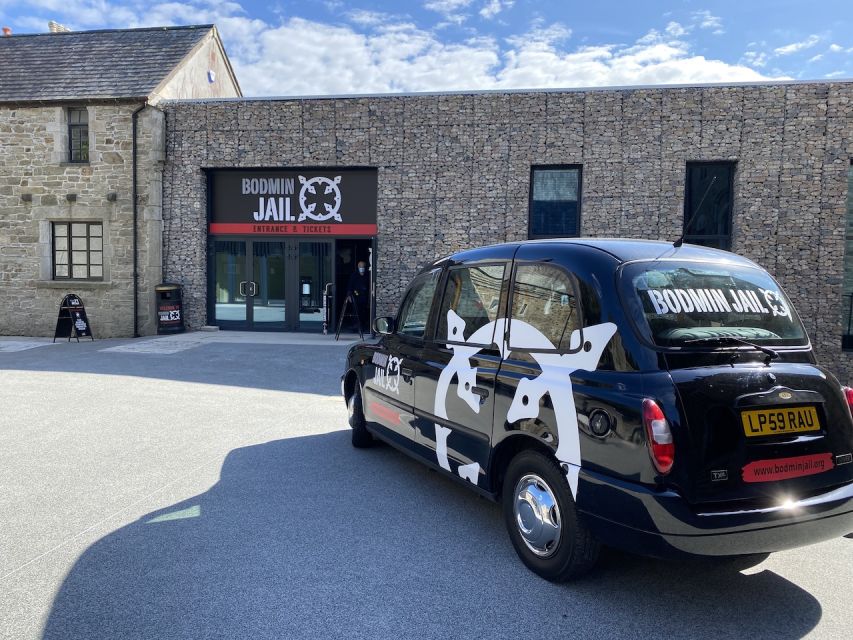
{"points": [[384, 412], [784, 468]]}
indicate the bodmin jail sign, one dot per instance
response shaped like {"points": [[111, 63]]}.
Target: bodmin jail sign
{"points": [[292, 201]]}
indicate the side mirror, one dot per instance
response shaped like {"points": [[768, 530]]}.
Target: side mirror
{"points": [[384, 325]]}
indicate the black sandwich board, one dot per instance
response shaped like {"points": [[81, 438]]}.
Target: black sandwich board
{"points": [[72, 321], [349, 301]]}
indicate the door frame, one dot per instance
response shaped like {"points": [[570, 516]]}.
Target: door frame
{"points": [[291, 284]]}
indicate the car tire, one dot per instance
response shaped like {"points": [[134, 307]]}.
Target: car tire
{"points": [[542, 521], [361, 437]]}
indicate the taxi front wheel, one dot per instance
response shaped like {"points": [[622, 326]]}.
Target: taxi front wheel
{"points": [[542, 521], [361, 437]]}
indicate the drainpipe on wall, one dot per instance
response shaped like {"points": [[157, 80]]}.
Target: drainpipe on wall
{"points": [[134, 117]]}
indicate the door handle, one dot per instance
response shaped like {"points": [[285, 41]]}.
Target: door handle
{"points": [[243, 288], [480, 391], [254, 288], [406, 373]]}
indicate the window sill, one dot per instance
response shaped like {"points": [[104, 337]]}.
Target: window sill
{"points": [[74, 164], [73, 284]]}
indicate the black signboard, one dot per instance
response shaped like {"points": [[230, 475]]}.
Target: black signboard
{"points": [[293, 201], [72, 321]]}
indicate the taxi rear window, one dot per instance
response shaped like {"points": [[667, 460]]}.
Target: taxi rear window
{"points": [[687, 304]]}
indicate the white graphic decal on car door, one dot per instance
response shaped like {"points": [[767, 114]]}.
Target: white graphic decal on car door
{"points": [[386, 374], [555, 380], [460, 366]]}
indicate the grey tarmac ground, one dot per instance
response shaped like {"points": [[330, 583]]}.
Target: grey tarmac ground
{"points": [[203, 486]]}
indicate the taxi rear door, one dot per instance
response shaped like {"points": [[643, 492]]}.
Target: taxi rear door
{"points": [[455, 387]]}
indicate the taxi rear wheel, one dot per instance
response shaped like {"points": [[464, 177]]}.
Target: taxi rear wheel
{"points": [[542, 521], [361, 437]]}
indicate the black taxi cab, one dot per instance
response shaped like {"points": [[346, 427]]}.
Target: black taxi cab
{"points": [[663, 400]]}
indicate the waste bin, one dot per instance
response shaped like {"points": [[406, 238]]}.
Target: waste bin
{"points": [[170, 308]]}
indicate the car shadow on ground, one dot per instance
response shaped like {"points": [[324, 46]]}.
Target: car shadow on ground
{"points": [[309, 538]]}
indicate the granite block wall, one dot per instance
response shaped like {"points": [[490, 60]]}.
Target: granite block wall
{"points": [[38, 186], [454, 172]]}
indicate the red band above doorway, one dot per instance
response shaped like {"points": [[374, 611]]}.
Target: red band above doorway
{"points": [[292, 229]]}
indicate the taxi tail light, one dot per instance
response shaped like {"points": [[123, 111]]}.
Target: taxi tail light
{"points": [[659, 436], [848, 395]]}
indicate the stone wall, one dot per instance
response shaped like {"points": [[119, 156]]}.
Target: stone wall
{"points": [[454, 172], [38, 186], [847, 287]]}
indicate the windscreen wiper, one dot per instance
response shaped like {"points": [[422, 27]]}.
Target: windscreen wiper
{"points": [[770, 353]]}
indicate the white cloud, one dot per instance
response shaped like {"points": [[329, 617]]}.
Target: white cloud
{"points": [[706, 20], [541, 37], [651, 60], [794, 47], [446, 6], [755, 58], [836, 48], [449, 9], [676, 30], [816, 58], [366, 18], [376, 53], [650, 38], [835, 74], [82, 13], [494, 7]]}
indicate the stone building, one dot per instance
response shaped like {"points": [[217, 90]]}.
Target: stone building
{"points": [[81, 133], [761, 169]]}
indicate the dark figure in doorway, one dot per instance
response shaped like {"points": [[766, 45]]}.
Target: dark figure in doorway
{"points": [[359, 288]]}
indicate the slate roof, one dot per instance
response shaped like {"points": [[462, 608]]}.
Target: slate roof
{"points": [[89, 65]]}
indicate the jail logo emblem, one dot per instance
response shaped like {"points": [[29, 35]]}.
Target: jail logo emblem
{"points": [[319, 191]]}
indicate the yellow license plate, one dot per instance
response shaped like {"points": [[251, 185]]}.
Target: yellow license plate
{"points": [[772, 422]]}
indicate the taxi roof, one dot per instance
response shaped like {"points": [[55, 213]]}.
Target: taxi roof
{"points": [[629, 249], [622, 249]]}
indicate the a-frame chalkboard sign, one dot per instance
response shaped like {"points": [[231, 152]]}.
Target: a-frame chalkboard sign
{"points": [[72, 321]]}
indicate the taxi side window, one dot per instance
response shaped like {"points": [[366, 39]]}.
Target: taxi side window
{"points": [[414, 313], [474, 294], [545, 298]]}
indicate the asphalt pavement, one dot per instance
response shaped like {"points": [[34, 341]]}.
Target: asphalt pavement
{"points": [[204, 487]]}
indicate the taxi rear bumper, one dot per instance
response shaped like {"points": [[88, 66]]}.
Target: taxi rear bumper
{"points": [[662, 523]]}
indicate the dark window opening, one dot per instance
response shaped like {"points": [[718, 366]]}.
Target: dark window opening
{"points": [[544, 300], [78, 135], [78, 250], [473, 294], [708, 204], [555, 202], [414, 312]]}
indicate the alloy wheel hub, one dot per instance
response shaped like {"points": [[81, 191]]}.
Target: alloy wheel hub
{"points": [[537, 515]]}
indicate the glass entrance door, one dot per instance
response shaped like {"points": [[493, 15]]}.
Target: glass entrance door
{"points": [[252, 281], [230, 284], [268, 285], [315, 272]]}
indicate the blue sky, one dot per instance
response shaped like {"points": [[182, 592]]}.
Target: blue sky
{"points": [[316, 47]]}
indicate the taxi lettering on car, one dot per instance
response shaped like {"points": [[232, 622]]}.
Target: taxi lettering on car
{"points": [[657, 398]]}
